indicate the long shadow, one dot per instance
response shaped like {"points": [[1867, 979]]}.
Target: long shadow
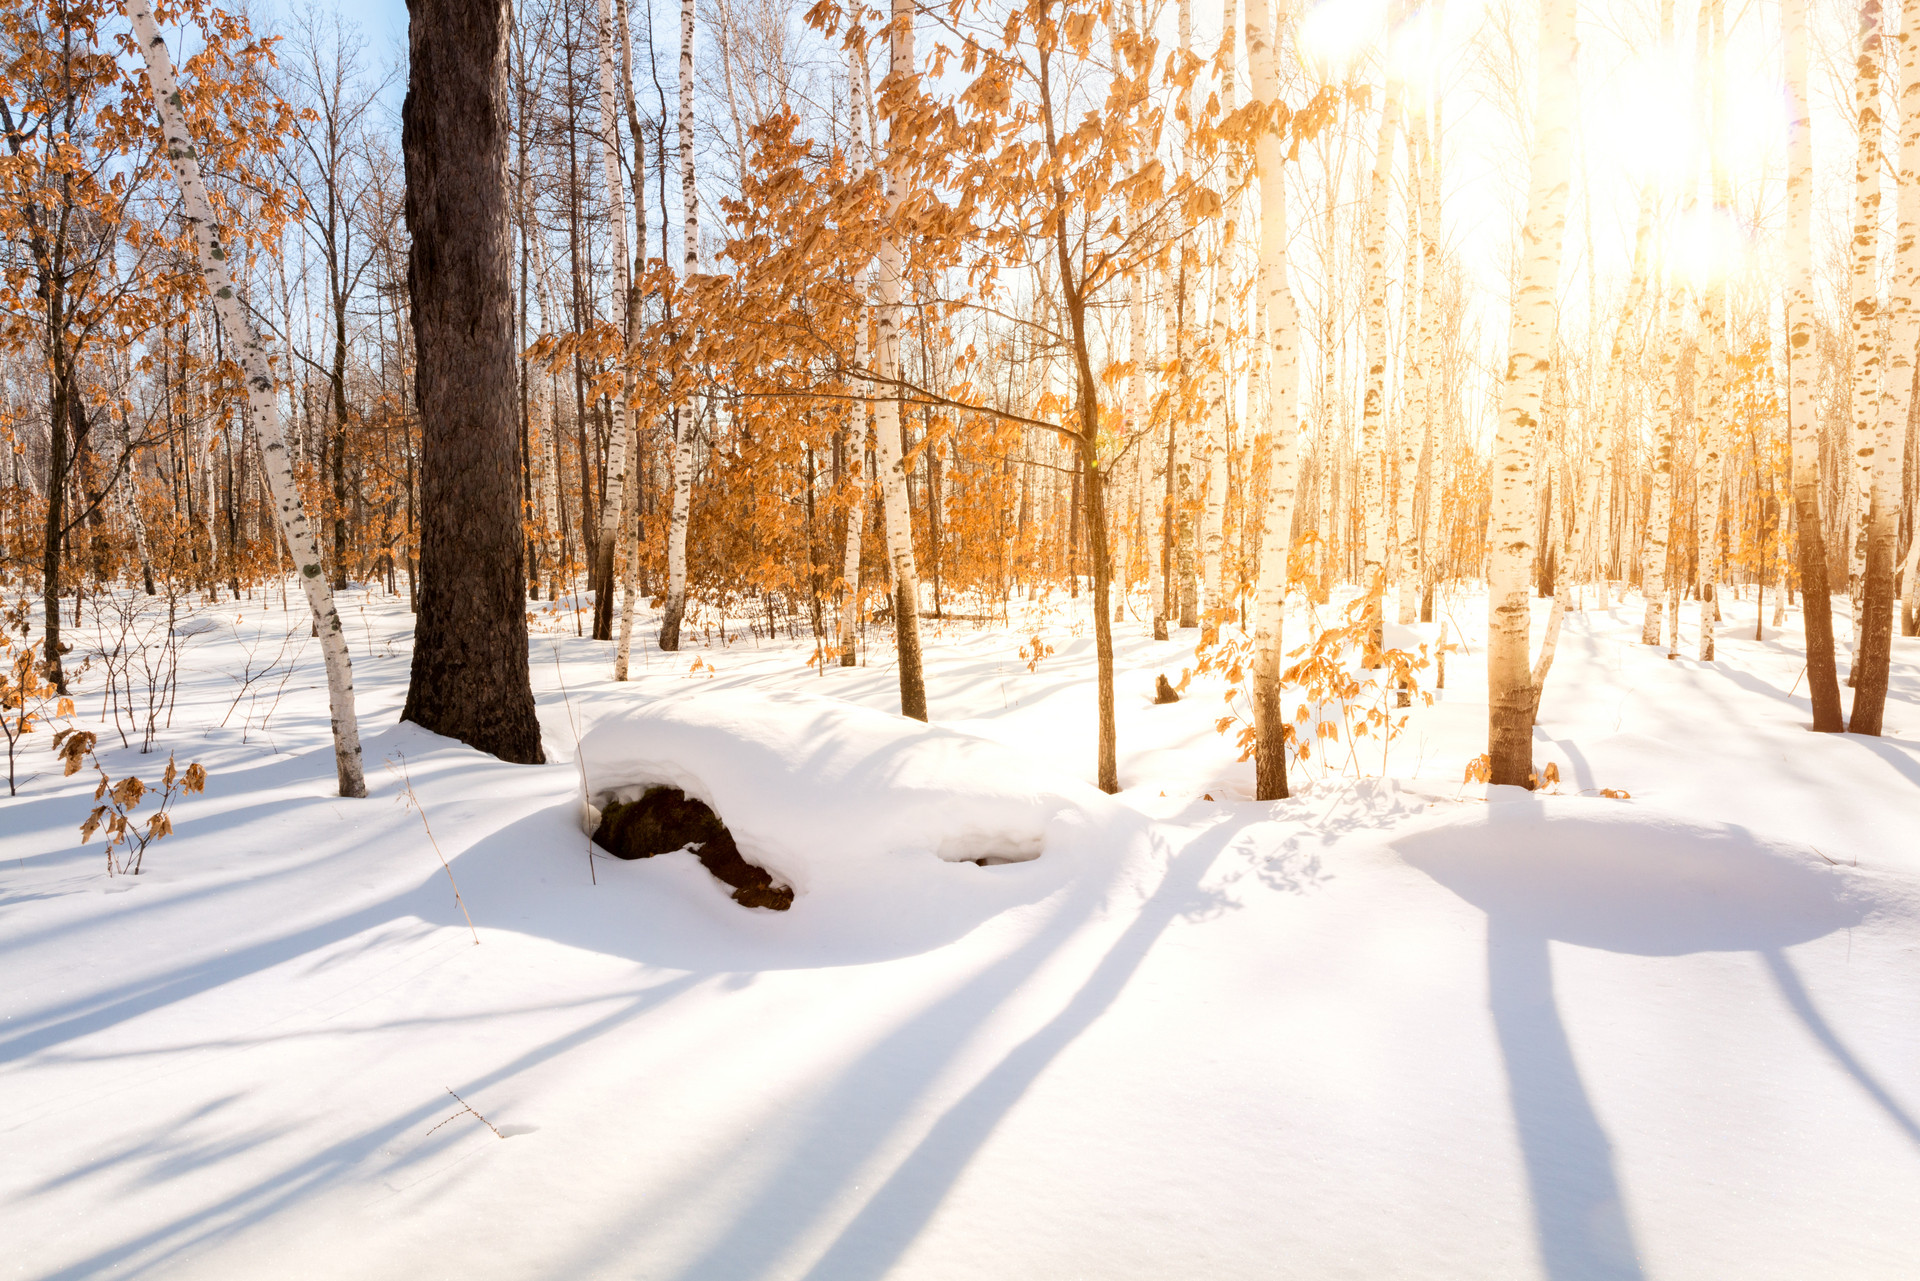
{"points": [[1619, 885], [865, 1107], [1795, 992], [1891, 754], [283, 1188], [1579, 1219], [877, 1237]]}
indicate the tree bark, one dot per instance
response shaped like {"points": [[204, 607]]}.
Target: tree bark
{"points": [[263, 406], [1511, 696], [1823, 683], [886, 410], [684, 417], [1373, 406], [1873, 662], [470, 678], [1283, 338]]}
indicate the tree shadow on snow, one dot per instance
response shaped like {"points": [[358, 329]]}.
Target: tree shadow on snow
{"points": [[1627, 885], [858, 1116]]}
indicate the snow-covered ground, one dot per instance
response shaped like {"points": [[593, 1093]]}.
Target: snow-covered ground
{"points": [[1394, 1027]]}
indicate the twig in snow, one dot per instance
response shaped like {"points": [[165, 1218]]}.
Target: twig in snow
{"points": [[466, 1107], [413, 802]]}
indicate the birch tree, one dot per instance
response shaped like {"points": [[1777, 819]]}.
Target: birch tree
{"points": [[1874, 658], [1373, 408], [684, 418], [1512, 694], [263, 404], [1264, 25], [1823, 683], [897, 515]]}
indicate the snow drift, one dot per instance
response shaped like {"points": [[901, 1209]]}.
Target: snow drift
{"points": [[875, 821]]}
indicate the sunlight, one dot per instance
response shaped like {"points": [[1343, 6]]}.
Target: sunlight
{"points": [[1336, 34], [1705, 246], [1643, 120], [1752, 131]]}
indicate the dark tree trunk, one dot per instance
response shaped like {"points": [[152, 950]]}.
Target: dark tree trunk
{"points": [[1816, 613], [1871, 669], [470, 678]]}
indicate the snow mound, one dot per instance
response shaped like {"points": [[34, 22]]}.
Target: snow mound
{"points": [[1636, 881], [869, 817]]}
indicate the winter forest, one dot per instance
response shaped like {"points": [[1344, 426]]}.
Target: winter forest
{"points": [[514, 516]]}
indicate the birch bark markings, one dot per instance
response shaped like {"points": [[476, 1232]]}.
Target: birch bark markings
{"points": [[860, 103], [616, 532], [1823, 684], [684, 418], [263, 406], [1874, 657], [1373, 406], [1512, 695], [1865, 296], [1283, 337], [886, 410], [1653, 570]]}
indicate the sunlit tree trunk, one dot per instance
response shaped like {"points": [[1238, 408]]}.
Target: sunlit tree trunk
{"points": [[616, 530], [1421, 337], [1802, 402], [1709, 399], [886, 409], [1865, 286], [860, 103], [1283, 338], [1874, 658], [1219, 382], [263, 405], [1373, 406], [470, 676], [1512, 696], [1653, 570], [1213, 451], [685, 418]]}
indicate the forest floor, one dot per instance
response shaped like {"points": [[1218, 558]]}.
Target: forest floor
{"points": [[1397, 1026]]}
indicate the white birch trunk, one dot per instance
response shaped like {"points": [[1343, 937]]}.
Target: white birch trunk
{"points": [[616, 533], [860, 102], [1890, 442], [1283, 338], [1373, 410], [1419, 320], [1653, 571], [896, 511], [263, 407], [1865, 314], [684, 412], [1512, 696]]}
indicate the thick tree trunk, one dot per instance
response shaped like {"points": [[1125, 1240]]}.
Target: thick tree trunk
{"points": [[1283, 338], [1865, 283], [1511, 696], [1823, 684], [1872, 664], [470, 678], [263, 406]]}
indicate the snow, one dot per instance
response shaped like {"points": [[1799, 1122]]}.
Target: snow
{"points": [[1395, 1026], [875, 821]]}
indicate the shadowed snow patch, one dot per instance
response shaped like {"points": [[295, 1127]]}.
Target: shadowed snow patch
{"points": [[1646, 884]]}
